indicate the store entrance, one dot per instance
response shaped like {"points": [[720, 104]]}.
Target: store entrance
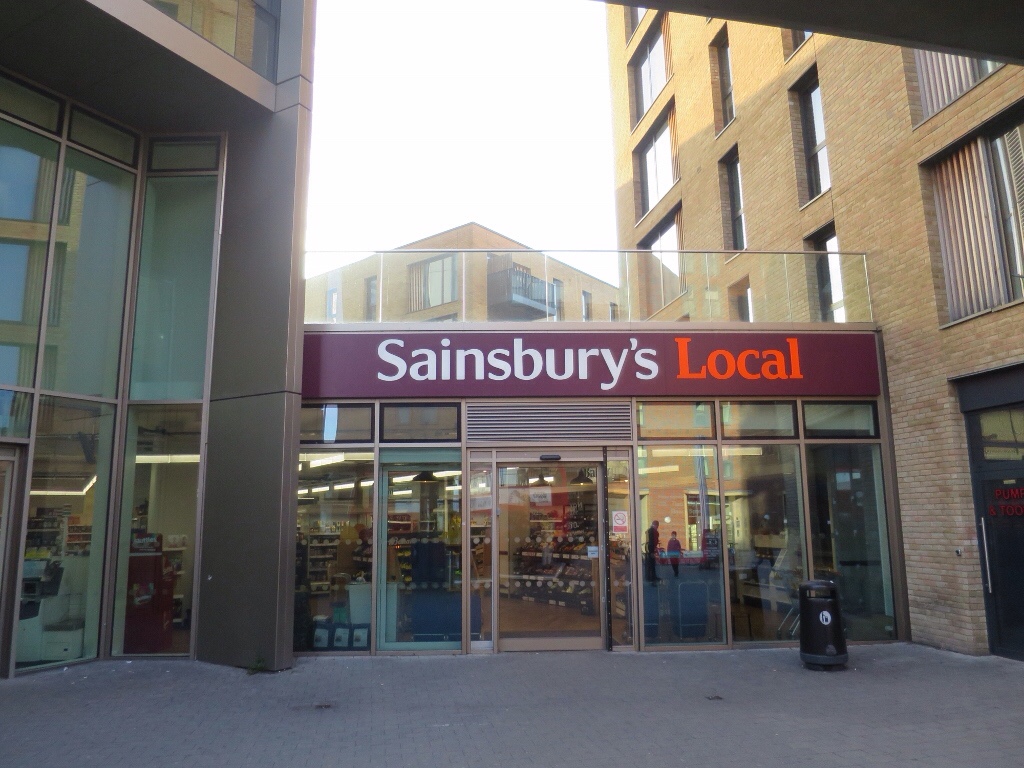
{"points": [[551, 553], [1002, 539]]}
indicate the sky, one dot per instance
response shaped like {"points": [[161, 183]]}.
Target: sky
{"points": [[429, 115]]}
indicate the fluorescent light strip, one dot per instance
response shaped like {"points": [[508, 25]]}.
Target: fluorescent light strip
{"points": [[407, 492], [167, 458], [657, 470], [448, 473], [344, 486], [321, 489], [403, 479], [303, 491], [323, 461], [454, 488], [85, 490]]}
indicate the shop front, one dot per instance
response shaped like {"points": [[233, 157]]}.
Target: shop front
{"points": [[513, 490]]}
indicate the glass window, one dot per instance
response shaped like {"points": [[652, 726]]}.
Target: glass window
{"points": [[28, 168], [157, 548], [434, 282], [420, 603], [840, 420], [666, 262], [812, 117], [102, 137], [185, 155], [15, 413], [588, 306], [419, 423], [83, 335], [620, 552], [725, 82], [680, 510], [829, 274], [753, 419], [1002, 434], [172, 314], [481, 542], [675, 420], [657, 172], [29, 105], [334, 552], [650, 73], [737, 232], [761, 488], [337, 423], [371, 299], [849, 539], [63, 568]]}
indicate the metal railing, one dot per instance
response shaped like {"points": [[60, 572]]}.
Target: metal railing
{"points": [[621, 286]]}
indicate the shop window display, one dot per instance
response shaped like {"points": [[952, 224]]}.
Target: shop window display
{"points": [[59, 612], [334, 552], [156, 551], [420, 600], [680, 511]]}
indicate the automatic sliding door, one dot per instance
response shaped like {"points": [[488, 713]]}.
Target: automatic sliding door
{"points": [[550, 556]]}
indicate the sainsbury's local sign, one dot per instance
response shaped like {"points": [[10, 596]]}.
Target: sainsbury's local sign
{"points": [[587, 364]]}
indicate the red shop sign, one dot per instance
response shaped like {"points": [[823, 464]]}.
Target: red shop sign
{"points": [[589, 364]]}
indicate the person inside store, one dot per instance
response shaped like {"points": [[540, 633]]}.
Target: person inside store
{"points": [[651, 553], [362, 556], [675, 551]]}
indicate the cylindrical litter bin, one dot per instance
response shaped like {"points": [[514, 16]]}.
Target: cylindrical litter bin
{"points": [[822, 639]]}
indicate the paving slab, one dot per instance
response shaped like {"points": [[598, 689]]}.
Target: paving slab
{"points": [[895, 705]]}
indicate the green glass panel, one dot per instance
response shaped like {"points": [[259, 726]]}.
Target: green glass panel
{"points": [[28, 169], [102, 137], [172, 315], [87, 283], [201, 155], [15, 413], [29, 105]]}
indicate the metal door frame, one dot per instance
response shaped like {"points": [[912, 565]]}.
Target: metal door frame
{"points": [[548, 457], [10, 587]]}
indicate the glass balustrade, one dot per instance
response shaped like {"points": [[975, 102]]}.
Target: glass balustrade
{"points": [[576, 286]]}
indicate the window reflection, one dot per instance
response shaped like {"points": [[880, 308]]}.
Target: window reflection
{"points": [[849, 537], [764, 533], [62, 574], [680, 511]]}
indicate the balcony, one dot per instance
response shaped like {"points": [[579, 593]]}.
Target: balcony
{"points": [[575, 286], [246, 29]]}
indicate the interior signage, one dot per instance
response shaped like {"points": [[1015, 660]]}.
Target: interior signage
{"points": [[1007, 501], [562, 364]]}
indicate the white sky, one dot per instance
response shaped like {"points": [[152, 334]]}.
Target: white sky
{"points": [[428, 115]]}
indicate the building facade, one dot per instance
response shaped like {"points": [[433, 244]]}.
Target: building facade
{"points": [[736, 136], [152, 194]]}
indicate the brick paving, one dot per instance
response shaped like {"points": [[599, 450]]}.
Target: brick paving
{"points": [[896, 705]]}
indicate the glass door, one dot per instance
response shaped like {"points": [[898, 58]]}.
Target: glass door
{"points": [[6, 500], [551, 555], [1002, 539]]}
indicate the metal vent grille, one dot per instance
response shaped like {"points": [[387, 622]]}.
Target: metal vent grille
{"points": [[594, 422]]}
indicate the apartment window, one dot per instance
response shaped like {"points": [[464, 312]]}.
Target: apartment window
{"points": [[721, 80], [556, 299], [666, 262], [370, 298], [650, 73], [633, 17], [741, 301], [588, 306], [433, 282], [732, 202], [332, 305], [657, 172], [979, 194], [829, 276], [812, 124], [793, 39], [613, 311], [942, 78]]}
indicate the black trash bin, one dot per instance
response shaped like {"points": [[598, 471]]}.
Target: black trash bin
{"points": [[822, 639]]}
